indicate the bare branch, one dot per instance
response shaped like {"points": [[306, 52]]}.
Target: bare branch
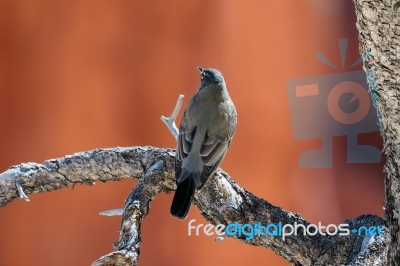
{"points": [[85, 168], [221, 201], [170, 121], [136, 209]]}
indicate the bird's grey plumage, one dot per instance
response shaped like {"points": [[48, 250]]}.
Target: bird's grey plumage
{"points": [[205, 133]]}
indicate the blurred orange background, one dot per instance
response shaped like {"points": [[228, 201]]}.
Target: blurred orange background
{"points": [[80, 75]]}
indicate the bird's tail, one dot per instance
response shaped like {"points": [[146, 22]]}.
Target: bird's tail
{"points": [[183, 198]]}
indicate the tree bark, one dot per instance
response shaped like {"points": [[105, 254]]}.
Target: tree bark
{"points": [[379, 36], [221, 201]]}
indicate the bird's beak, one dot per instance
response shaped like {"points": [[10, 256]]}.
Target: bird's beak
{"points": [[200, 69]]}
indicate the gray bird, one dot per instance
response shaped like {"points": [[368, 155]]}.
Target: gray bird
{"points": [[205, 133]]}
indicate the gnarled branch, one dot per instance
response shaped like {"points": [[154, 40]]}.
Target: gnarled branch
{"points": [[221, 201]]}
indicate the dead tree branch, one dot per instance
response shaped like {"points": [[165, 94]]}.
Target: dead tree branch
{"points": [[221, 201]]}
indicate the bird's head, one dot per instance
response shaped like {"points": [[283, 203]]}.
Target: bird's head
{"points": [[210, 76]]}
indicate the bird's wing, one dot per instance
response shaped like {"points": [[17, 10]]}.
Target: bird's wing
{"points": [[185, 142], [212, 152]]}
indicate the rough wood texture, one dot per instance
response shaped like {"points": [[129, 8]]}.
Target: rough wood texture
{"points": [[84, 167], [221, 201], [379, 36]]}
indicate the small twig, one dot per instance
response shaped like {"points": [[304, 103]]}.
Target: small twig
{"points": [[113, 212], [170, 121], [21, 192]]}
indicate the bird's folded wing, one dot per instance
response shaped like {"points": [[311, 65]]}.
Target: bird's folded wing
{"points": [[212, 152], [185, 142]]}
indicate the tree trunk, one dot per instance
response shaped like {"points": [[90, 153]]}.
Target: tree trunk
{"points": [[379, 36]]}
